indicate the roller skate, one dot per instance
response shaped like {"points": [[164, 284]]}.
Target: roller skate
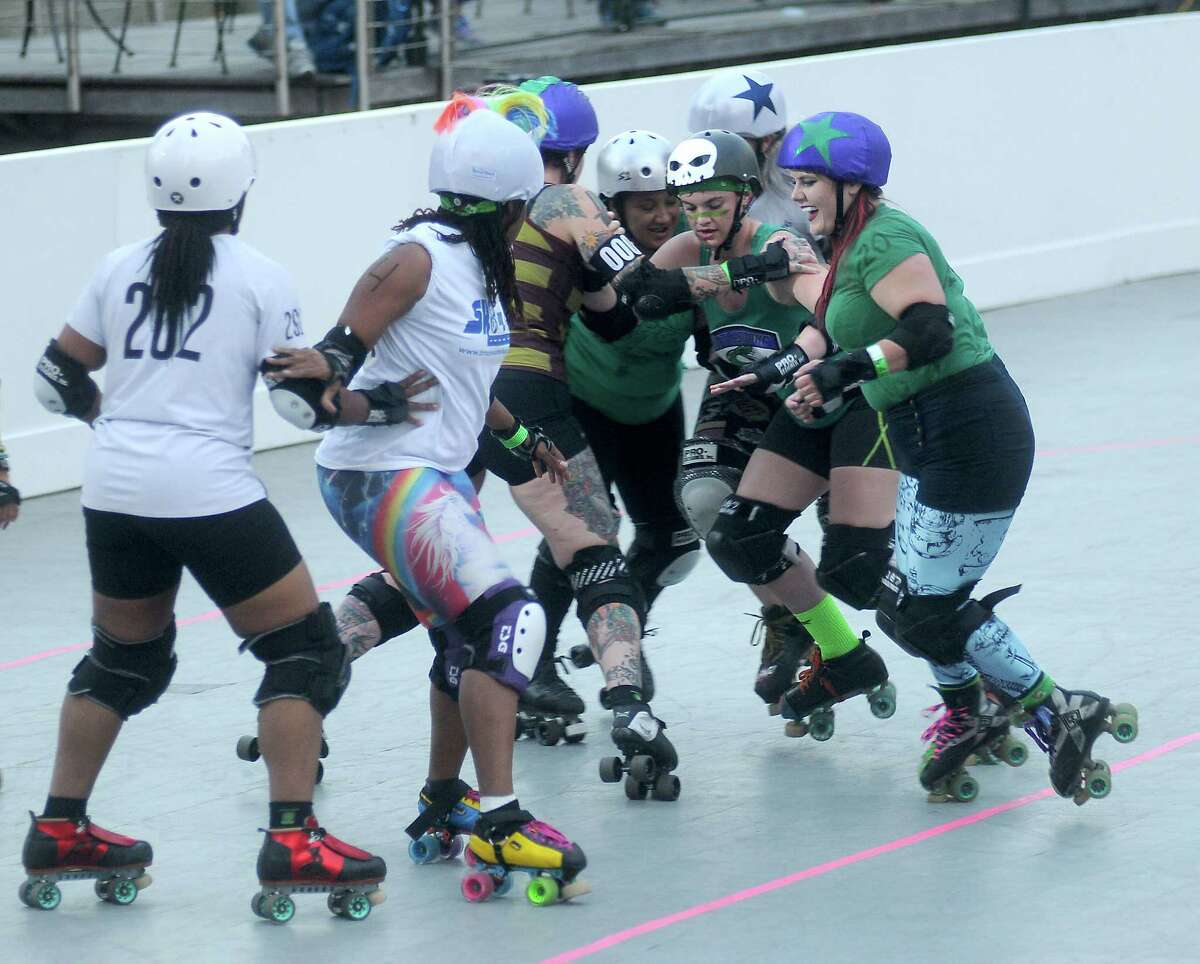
{"points": [[508, 840], [247, 749], [808, 706], [309, 860], [58, 850], [971, 722], [785, 646], [648, 756], [443, 820], [549, 709], [581, 658], [1065, 725], [1012, 751]]}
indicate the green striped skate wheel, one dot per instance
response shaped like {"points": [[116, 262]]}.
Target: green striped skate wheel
{"points": [[117, 890], [1124, 723], [40, 894], [542, 891], [279, 908]]}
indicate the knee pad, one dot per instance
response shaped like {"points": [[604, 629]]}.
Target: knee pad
{"points": [[853, 562], [749, 540], [599, 576], [709, 472], [446, 672], [305, 661], [386, 604], [125, 678], [503, 631], [659, 558], [935, 628]]}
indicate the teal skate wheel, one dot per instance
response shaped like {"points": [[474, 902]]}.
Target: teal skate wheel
{"points": [[256, 905], [425, 849], [1124, 723], [279, 908], [45, 895], [247, 749], [503, 885], [611, 769], [821, 725], [1098, 780], [477, 887], [25, 893], [643, 769], [963, 787], [334, 903], [635, 790], [1013, 752], [883, 701], [355, 907], [542, 891]]}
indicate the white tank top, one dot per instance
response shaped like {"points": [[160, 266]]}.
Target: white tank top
{"points": [[174, 434], [456, 335]]}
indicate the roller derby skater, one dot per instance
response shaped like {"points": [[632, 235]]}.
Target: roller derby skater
{"points": [[963, 440], [647, 756], [197, 421], [786, 647], [403, 495]]}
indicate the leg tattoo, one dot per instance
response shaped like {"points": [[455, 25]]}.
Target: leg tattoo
{"points": [[357, 628], [616, 641]]}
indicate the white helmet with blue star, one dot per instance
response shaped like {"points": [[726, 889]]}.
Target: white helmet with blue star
{"points": [[744, 101]]}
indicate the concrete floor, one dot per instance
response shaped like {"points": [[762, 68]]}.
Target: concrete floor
{"points": [[777, 848]]}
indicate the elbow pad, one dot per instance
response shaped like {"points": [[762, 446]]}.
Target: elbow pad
{"points": [[610, 325], [298, 400], [655, 293], [925, 332], [344, 351], [63, 385], [609, 260]]}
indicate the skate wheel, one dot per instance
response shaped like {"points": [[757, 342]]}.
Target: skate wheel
{"points": [[25, 893], [256, 904], [279, 908], [324, 752], [320, 772], [247, 749], [549, 733], [666, 787], [454, 849], [575, 737], [542, 891], [425, 849], [821, 725], [471, 857], [611, 769], [1013, 752], [577, 888], [1098, 780], [643, 769], [1124, 723], [334, 903], [963, 787], [116, 890], [581, 656], [503, 885], [355, 906], [635, 790], [883, 701], [477, 887], [519, 729], [44, 895], [982, 757]]}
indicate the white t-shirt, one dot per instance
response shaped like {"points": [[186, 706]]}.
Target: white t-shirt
{"points": [[456, 335], [175, 429]]}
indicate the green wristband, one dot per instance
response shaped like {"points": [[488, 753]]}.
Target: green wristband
{"points": [[879, 360], [725, 268], [517, 437]]}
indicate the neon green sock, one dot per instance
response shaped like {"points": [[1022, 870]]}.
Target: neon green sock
{"points": [[829, 628], [1038, 694]]}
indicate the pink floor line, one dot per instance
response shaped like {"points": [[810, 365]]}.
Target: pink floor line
{"points": [[649, 927], [215, 613]]}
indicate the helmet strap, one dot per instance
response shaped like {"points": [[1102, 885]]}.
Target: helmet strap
{"points": [[734, 228]]}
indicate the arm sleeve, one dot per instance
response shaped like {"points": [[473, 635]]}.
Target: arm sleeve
{"points": [[885, 248]]}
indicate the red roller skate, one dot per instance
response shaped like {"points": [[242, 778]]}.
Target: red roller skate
{"points": [[310, 860], [57, 849]]}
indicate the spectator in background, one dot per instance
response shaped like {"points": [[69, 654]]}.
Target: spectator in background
{"points": [[10, 498], [300, 61]]}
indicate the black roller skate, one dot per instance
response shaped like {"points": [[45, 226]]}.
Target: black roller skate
{"points": [[247, 749], [79, 850], [309, 860], [971, 723], [549, 709], [443, 821], [1012, 751], [785, 647], [1065, 725], [649, 756], [508, 840], [808, 706], [581, 658]]}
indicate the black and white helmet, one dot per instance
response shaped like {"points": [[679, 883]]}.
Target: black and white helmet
{"points": [[634, 161], [743, 101], [721, 157]]}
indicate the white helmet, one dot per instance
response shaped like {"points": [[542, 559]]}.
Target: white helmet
{"points": [[486, 156], [743, 101], [199, 162], [633, 161]]}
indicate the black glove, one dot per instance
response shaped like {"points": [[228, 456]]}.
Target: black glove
{"points": [[775, 370], [756, 269], [841, 372], [388, 404], [9, 495], [522, 442]]}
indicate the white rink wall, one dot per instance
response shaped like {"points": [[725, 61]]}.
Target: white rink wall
{"points": [[1046, 162]]}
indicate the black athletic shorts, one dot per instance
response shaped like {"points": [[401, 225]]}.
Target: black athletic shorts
{"points": [[968, 441], [233, 555], [536, 400], [858, 438]]}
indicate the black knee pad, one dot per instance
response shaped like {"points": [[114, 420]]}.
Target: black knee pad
{"points": [[935, 628], [659, 558], [599, 575], [305, 661], [386, 604], [749, 540], [503, 631], [125, 678], [853, 561], [445, 673]]}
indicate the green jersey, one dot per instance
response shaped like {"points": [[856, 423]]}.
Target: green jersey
{"points": [[854, 320]]}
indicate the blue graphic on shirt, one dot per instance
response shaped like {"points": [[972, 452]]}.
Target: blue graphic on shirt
{"points": [[490, 320]]}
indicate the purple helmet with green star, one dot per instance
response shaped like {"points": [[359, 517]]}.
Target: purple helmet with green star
{"points": [[840, 145]]}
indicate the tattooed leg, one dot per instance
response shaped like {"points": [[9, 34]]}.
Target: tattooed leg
{"points": [[357, 627], [615, 636]]}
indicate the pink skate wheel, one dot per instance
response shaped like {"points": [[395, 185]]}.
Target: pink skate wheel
{"points": [[477, 887]]}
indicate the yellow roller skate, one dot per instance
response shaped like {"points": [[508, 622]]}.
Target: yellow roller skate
{"points": [[508, 840]]}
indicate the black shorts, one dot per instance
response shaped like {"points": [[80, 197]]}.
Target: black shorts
{"points": [[536, 400], [233, 556], [641, 461], [968, 441], [735, 416], [858, 438]]}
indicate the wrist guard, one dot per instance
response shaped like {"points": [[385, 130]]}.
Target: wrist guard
{"points": [[656, 293], [9, 495], [841, 372], [344, 351], [523, 442], [609, 260], [774, 371], [387, 404], [756, 269]]}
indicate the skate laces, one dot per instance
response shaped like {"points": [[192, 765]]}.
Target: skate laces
{"points": [[545, 833], [946, 728], [808, 677]]}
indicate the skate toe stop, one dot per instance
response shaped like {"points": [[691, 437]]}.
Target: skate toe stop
{"points": [[376, 897], [576, 888], [143, 882]]}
